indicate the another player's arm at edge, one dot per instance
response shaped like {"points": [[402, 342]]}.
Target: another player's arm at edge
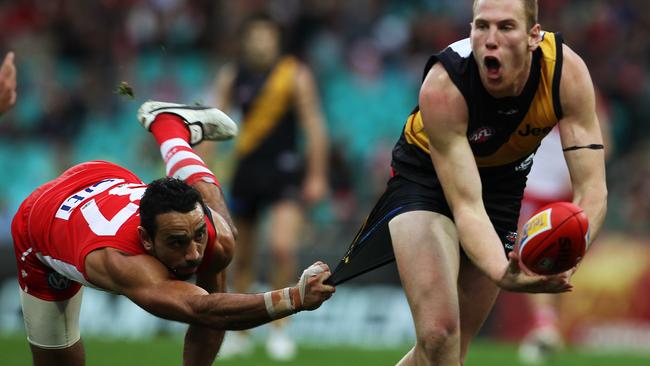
{"points": [[445, 117], [579, 127]]}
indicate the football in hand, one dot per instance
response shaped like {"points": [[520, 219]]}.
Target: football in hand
{"points": [[554, 239]]}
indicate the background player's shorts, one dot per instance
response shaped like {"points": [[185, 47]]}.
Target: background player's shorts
{"points": [[256, 186]]}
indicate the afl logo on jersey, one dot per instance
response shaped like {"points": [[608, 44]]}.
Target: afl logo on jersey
{"points": [[481, 135], [57, 282]]}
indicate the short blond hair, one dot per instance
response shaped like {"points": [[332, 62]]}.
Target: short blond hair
{"points": [[530, 11]]}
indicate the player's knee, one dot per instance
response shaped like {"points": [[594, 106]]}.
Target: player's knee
{"points": [[436, 340]]}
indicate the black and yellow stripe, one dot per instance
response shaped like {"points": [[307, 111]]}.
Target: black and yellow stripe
{"points": [[544, 112], [271, 104]]}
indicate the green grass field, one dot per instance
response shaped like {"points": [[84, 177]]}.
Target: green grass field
{"points": [[167, 351]]}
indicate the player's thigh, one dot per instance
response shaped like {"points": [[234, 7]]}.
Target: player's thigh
{"points": [[477, 294], [427, 254], [286, 222], [51, 325]]}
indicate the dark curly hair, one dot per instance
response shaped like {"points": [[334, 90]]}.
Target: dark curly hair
{"points": [[166, 195]]}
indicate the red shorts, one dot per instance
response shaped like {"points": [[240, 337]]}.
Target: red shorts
{"points": [[34, 277]]}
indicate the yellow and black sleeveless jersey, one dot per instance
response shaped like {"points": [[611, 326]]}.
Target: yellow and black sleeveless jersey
{"points": [[269, 125], [503, 133]]}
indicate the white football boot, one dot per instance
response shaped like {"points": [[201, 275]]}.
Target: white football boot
{"points": [[236, 344], [204, 123], [540, 345], [279, 346]]}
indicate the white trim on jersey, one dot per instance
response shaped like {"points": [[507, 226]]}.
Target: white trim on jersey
{"points": [[64, 269], [462, 47]]}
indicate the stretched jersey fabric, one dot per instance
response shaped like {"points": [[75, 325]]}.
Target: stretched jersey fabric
{"points": [[503, 133], [90, 206]]}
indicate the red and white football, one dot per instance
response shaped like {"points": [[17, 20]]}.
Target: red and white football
{"points": [[554, 239]]}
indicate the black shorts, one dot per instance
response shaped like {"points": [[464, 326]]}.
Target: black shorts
{"points": [[256, 186], [372, 246]]}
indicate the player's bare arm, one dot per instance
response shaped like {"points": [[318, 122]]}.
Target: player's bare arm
{"points": [[311, 117], [146, 281], [582, 140], [445, 117]]}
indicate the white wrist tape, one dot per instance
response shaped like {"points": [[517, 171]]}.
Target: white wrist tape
{"points": [[312, 271], [278, 303]]}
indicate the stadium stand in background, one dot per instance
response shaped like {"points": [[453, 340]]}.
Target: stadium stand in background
{"points": [[367, 56]]}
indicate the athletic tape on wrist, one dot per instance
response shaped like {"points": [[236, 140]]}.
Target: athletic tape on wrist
{"points": [[278, 303]]}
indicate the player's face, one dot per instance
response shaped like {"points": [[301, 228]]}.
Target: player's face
{"points": [[180, 241], [261, 43], [502, 45]]}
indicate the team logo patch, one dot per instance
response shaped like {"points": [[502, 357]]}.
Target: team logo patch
{"points": [[57, 282], [511, 237], [535, 226], [526, 163], [481, 135]]}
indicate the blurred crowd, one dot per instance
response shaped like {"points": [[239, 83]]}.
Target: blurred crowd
{"points": [[367, 55]]}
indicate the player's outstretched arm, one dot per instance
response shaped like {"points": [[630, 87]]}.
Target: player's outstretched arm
{"points": [[445, 117], [582, 140], [146, 282]]}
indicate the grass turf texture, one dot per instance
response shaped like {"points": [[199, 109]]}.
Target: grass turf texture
{"points": [[167, 351]]}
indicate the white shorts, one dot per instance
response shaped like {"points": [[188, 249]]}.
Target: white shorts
{"points": [[51, 324]]}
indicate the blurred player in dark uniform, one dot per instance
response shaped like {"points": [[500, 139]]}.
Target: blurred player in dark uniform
{"points": [[449, 213], [99, 225], [277, 98]]}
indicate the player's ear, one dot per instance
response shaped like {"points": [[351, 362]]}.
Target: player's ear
{"points": [[534, 37], [145, 239]]}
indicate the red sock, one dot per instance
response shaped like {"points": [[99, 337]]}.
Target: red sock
{"points": [[167, 126], [181, 161]]}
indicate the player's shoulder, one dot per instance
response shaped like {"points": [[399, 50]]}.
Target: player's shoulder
{"points": [[576, 87], [438, 88], [573, 64]]}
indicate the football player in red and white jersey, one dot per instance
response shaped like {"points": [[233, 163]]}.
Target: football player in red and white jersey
{"points": [[99, 225]]}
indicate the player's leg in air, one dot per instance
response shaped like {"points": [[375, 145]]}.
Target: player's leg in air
{"points": [[176, 127]]}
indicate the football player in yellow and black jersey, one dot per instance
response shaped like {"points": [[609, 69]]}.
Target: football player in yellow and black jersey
{"points": [[276, 95], [449, 213]]}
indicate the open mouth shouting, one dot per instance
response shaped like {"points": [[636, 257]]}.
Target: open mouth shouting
{"points": [[492, 66]]}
